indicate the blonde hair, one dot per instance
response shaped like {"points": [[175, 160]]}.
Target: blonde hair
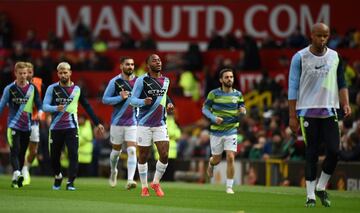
{"points": [[29, 65], [20, 65], [63, 65]]}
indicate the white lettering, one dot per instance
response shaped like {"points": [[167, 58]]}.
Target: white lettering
{"points": [[63, 20], [129, 17], [247, 81], [249, 25], [306, 19], [201, 20], [175, 22], [106, 21], [210, 20], [274, 20], [193, 19]]}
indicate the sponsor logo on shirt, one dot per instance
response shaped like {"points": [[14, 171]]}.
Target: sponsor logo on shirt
{"points": [[20, 100], [63, 100], [156, 92], [318, 67]]}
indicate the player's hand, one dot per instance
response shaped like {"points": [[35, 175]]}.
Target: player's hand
{"points": [[60, 108], [100, 128], [148, 100], [124, 94], [170, 107], [242, 110], [347, 110], [218, 120], [294, 124]]}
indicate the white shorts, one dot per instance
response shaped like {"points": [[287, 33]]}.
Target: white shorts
{"points": [[146, 135], [220, 143], [35, 133], [119, 134]]}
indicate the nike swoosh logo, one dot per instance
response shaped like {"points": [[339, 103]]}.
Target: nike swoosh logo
{"points": [[57, 93], [318, 67]]}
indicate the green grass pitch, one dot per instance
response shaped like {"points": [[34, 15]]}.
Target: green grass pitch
{"points": [[95, 195]]}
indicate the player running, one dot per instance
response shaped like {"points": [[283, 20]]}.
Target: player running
{"points": [[61, 100], [123, 121], [150, 95], [316, 89], [20, 97], [35, 131], [223, 107]]}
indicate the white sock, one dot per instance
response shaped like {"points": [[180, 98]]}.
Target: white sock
{"points": [[322, 182], [310, 189], [59, 176], [229, 183], [114, 158], [160, 170], [131, 162], [25, 169], [143, 170], [16, 174]]}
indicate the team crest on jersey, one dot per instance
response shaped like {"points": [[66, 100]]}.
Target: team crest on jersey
{"points": [[306, 124], [234, 100]]}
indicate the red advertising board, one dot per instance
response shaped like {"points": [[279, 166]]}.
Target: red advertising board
{"points": [[176, 21]]}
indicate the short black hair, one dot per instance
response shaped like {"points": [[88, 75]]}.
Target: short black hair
{"points": [[224, 71], [148, 58], [124, 58]]}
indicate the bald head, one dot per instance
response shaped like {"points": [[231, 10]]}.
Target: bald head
{"points": [[319, 37], [319, 27]]}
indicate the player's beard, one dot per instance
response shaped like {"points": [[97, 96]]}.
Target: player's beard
{"points": [[228, 84], [128, 72], [64, 80]]}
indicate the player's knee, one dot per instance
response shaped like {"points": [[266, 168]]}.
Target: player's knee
{"points": [[32, 150], [116, 147], [216, 160], [230, 158], [131, 151]]}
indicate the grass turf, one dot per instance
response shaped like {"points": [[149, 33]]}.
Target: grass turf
{"points": [[95, 195]]}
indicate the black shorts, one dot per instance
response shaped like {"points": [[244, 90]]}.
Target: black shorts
{"points": [[13, 135]]}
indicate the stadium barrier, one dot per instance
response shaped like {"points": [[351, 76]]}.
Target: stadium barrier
{"points": [[274, 172]]}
